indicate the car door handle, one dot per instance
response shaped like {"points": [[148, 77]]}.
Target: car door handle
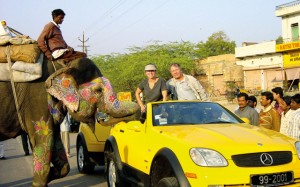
{"points": [[121, 130]]}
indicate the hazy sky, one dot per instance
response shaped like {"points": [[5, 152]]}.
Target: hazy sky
{"points": [[114, 25]]}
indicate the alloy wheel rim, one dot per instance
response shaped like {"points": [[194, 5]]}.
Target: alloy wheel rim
{"points": [[112, 174], [80, 157]]}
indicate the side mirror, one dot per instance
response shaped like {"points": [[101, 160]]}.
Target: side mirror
{"points": [[101, 116], [246, 120]]}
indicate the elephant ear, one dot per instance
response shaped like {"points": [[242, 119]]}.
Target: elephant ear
{"points": [[63, 86]]}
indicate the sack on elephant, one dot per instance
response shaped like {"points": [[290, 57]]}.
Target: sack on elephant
{"points": [[21, 71], [26, 53]]}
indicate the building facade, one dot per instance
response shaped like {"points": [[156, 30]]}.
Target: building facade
{"points": [[262, 66], [289, 46], [219, 71], [274, 63]]}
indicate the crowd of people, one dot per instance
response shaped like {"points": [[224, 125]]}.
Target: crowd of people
{"points": [[283, 116]]}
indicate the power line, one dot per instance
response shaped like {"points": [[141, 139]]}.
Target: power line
{"points": [[105, 14], [114, 7], [116, 18], [149, 13]]}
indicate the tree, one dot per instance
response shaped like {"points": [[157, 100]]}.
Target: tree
{"points": [[217, 44], [279, 40]]}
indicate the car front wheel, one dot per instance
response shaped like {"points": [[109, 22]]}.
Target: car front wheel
{"points": [[168, 182], [83, 163], [113, 173]]}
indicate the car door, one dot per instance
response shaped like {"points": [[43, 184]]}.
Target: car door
{"points": [[135, 148]]}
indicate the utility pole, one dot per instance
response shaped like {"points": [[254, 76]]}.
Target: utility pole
{"points": [[84, 47]]}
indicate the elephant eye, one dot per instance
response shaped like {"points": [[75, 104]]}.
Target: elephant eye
{"points": [[97, 89]]}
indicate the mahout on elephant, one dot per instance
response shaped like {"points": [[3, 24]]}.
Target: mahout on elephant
{"points": [[40, 106]]}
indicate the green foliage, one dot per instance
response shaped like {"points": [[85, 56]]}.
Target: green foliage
{"points": [[279, 40], [126, 71], [217, 44]]}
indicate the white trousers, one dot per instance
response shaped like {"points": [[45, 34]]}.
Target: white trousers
{"points": [[1, 149], [66, 140]]}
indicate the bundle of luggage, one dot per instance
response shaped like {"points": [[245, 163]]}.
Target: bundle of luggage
{"points": [[24, 54]]}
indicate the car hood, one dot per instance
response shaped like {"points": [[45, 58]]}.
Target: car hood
{"points": [[229, 138]]}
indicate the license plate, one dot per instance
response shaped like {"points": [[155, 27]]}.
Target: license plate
{"points": [[274, 179]]}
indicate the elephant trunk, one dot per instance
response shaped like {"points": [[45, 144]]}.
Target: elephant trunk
{"points": [[114, 107]]}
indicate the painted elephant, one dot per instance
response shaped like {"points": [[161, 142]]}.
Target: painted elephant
{"points": [[78, 88]]}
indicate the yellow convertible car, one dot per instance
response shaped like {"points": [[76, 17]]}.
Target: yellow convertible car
{"points": [[199, 144]]}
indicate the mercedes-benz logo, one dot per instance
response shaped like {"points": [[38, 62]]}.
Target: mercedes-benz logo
{"points": [[266, 159]]}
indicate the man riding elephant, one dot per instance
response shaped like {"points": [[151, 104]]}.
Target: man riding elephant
{"points": [[52, 43]]}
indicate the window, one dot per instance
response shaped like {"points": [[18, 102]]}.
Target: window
{"points": [[295, 32]]}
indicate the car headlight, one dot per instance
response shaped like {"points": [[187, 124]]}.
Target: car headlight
{"points": [[207, 157], [297, 144]]}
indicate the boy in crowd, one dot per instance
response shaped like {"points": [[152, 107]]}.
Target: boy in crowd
{"points": [[252, 102]]}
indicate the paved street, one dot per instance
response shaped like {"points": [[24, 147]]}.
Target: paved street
{"points": [[17, 171]]}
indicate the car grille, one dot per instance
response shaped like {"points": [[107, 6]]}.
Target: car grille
{"points": [[255, 159]]}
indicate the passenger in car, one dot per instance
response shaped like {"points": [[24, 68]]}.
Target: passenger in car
{"points": [[154, 88], [184, 87]]}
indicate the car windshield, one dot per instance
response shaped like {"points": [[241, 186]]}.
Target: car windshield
{"points": [[181, 113]]}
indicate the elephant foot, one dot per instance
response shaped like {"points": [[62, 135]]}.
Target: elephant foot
{"points": [[55, 174]]}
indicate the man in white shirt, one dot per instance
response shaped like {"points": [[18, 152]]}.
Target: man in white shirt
{"points": [[294, 122], [185, 87], [287, 113]]}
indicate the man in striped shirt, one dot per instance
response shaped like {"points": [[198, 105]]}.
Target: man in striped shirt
{"points": [[268, 117]]}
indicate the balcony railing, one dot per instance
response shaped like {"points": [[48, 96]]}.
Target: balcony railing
{"points": [[287, 40], [290, 4]]}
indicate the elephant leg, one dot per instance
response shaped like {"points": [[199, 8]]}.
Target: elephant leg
{"points": [[48, 149], [59, 159], [42, 152]]}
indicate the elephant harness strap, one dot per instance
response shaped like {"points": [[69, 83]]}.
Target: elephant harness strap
{"points": [[14, 88]]}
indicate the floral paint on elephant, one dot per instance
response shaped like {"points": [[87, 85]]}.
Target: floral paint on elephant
{"points": [[45, 152], [110, 97], [64, 88], [89, 94], [112, 104], [42, 153], [55, 110]]}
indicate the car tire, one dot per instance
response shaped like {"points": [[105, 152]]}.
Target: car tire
{"points": [[83, 163], [168, 182], [113, 173]]}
